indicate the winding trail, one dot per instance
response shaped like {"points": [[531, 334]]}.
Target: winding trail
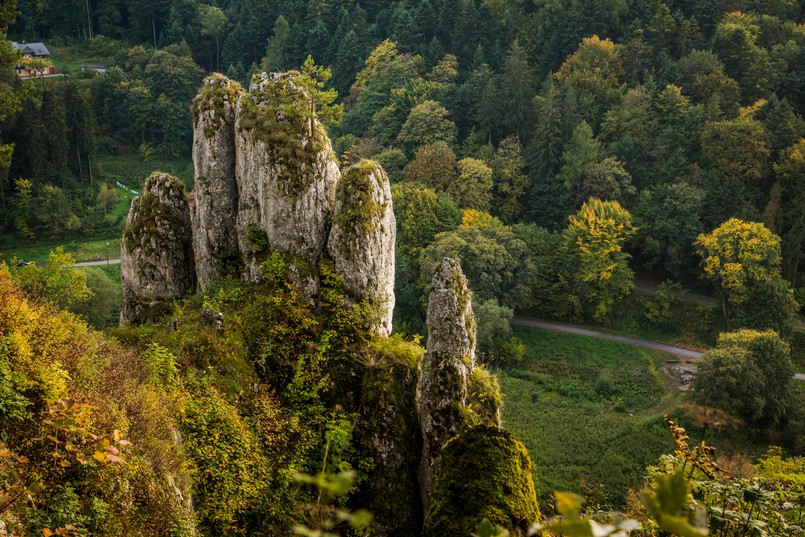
{"points": [[520, 320]]}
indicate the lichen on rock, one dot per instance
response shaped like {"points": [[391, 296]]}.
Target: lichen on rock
{"points": [[483, 473], [214, 214], [447, 368], [157, 261], [362, 239]]}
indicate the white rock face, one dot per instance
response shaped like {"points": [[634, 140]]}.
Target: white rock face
{"points": [[157, 261], [362, 237], [250, 167], [286, 172], [214, 215], [447, 367]]}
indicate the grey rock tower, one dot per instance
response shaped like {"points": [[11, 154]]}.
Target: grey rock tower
{"points": [[447, 368], [157, 262], [214, 214], [286, 173]]}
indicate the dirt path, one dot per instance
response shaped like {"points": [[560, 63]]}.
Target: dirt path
{"points": [[637, 342], [98, 263], [682, 352]]}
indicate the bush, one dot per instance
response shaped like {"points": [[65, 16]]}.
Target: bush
{"points": [[749, 374], [497, 344]]}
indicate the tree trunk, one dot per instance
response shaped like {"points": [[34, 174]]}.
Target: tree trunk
{"points": [[80, 167], [89, 19]]}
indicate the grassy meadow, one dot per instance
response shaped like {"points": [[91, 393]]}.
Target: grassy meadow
{"points": [[589, 412], [82, 250]]}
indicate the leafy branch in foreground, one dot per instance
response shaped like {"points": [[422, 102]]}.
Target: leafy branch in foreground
{"points": [[327, 517]]}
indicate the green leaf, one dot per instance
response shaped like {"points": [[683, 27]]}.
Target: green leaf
{"points": [[485, 528], [667, 504], [680, 526], [752, 494], [361, 519], [568, 504], [672, 491]]}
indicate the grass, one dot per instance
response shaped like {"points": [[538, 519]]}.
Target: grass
{"points": [[68, 59], [82, 249], [131, 169], [112, 273], [588, 411]]}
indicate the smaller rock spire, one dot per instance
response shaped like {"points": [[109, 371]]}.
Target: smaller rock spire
{"points": [[157, 262], [447, 368]]}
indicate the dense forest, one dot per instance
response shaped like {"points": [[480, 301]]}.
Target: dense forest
{"points": [[686, 114], [555, 149]]}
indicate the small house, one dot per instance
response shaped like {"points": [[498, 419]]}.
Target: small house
{"points": [[34, 61]]}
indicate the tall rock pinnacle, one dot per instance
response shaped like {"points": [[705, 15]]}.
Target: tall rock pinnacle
{"points": [[214, 214], [156, 252], [286, 172]]}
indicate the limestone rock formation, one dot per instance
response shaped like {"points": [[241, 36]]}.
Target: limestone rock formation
{"points": [[286, 172], [214, 213], [482, 473], [447, 368], [157, 262], [389, 434], [362, 237]]}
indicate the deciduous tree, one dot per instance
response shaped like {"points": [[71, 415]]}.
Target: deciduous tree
{"points": [[739, 147], [472, 189], [492, 256], [594, 71], [434, 165], [743, 259], [596, 235], [427, 123], [749, 373], [58, 281]]}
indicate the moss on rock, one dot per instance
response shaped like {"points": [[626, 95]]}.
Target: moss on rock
{"points": [[282, 116], [389, 436], [484, 401], [355, 196], [483, 473], [216, 91]]}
